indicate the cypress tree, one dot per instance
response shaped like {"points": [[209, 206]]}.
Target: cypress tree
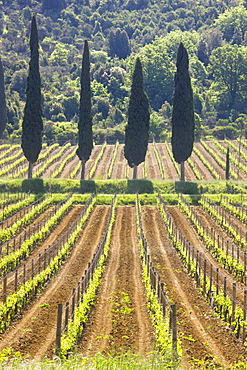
{"points": [[227, 164], [137, 129], [183, 124], [32, 125], [85, 144], [3, 110]]}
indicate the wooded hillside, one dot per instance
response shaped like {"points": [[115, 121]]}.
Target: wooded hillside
{"points": [[213, 32]]}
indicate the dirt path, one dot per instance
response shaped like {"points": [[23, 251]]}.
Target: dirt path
{"points": [[152, 167], [168, 167], [119, 167], [62, 227], [233, 167], [120, 319], [34, 333], [211, 160], [205, 173], [211, 224], [54, 166], [70, 166], [101, 171], [90, 162], [203, 335]]}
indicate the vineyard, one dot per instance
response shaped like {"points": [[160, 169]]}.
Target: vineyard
{"points": [[151, 274], [207, 162]]}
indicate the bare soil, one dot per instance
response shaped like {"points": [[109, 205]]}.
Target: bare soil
{"points": [[211, 160], [205, 173], [33, 333], [102, 168], [152, 167], [168, 167], [62, 227], [204, 336], [120, 319], [119, 167]]}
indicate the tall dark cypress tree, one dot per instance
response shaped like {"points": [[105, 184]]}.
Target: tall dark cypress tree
{"points": [[137, 129], [32, 125], [183, 124], [227, 164], [3, 110], [85, 144]]}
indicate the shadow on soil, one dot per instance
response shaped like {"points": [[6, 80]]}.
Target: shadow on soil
{"points": [[35, 186], [140, 186], [186, 187]]}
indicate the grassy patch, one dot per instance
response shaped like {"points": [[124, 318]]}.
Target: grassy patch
{"points": [[141, 186], [123, 361]]}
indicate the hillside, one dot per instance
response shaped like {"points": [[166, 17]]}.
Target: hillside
{"points": [[214, 34]]}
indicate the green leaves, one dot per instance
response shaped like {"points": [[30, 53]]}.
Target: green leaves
{"points": [[19, 299]]}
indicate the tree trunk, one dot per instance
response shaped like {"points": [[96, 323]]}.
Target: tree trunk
{"points": [[83, 165], [134, 171], [182, 171], [30, 170]]}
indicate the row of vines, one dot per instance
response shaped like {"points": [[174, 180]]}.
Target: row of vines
{"points": [[218, 266], [207, 162]]}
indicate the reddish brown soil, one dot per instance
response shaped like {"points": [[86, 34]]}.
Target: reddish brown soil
{"points": [[103, 165], [37, 166], [202, 169], [152, 171], [57, 164], [119, 167], [152, 167], [90, 162], [34, 332], [183, 224], [203, 335], [109, 329], [70, 166], [211, 160], [168, 167], [241, 176], [59, 230]]}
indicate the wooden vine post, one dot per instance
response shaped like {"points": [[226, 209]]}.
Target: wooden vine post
{"points": [[174, 331], [59, 329]]}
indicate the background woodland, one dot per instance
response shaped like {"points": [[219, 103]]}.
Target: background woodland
{"points": [[213, 32]]}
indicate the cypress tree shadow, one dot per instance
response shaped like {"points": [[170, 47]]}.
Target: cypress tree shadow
{"points": [[186, 187], [140, 186], [87, 186], [33, 186]]}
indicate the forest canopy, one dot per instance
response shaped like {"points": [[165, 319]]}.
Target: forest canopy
{"points": [[214, 34]]}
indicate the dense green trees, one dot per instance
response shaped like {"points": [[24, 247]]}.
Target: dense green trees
{"points": [[228, 65], [32, 125], [85, 137], [154, 30], [137, 129], [183, 124], [119, 43]]}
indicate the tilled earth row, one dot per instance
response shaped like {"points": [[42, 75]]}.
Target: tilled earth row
{"points": [[204, 336], [119, 319], [33, 333]]}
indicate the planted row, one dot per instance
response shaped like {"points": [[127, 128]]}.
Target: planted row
{"points": [[208, 279], [17, 301]]}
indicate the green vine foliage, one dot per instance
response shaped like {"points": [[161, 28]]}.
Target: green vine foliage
{"points": [[19, 299], [82, 311]]}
